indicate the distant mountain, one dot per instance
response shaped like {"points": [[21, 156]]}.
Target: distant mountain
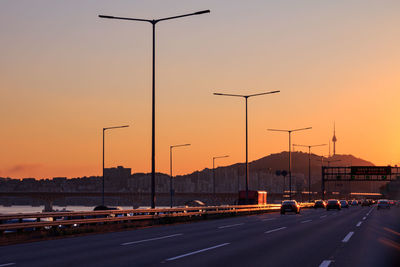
{"points": [[280, 161]]}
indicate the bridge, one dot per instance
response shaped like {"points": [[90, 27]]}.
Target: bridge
{"points": [[358, 236]]}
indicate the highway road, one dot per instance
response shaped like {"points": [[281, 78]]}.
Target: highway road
{"points": [[358, 236]]}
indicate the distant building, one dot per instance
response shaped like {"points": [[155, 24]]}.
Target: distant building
{"points": [[117, 178], [118, 172], [59, 179]]}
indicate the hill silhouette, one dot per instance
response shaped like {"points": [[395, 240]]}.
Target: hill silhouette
{"points": [[280, 161]]}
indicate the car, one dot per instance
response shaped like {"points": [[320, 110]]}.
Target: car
{"points": [[319, 204], [354, 203], [366, 202], [290, 206], [333, 204], [344, 204], [383, 204]]}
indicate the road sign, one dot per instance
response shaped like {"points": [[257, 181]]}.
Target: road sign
{"points": [[371, 170]]}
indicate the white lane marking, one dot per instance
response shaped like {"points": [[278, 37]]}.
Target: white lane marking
{"points": [[347, 237], [150, 239], [323, 216], [306, 221], [325, 263], [370, 211], [7, 264], [364, 218], [231, 225], [270, 219], [358, 224], [274, 230], [197, 251]]}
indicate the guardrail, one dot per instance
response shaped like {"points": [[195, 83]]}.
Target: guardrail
{"points": [[12, 222]]}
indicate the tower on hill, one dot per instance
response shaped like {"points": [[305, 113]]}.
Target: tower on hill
{"points": [[334, 139]]}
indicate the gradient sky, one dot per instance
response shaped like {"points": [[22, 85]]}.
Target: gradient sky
{"points": [[65, 74]]}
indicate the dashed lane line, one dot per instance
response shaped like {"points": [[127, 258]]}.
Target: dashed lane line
{"points": [[196, 252], [231, 225], [306, 221], [364, 218], [323, 216], [274, 230], [147, 240], [269, 219], [7, 264], [347, 237], [325, 263], [358, 224]]}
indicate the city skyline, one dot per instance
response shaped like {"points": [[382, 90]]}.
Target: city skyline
{"points": [[66, 74]]}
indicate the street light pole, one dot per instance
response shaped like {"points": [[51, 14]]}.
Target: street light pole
{"points": [[214, 158], [170, 169], [247, 144], [290, 160], [105, 129], [153, 143], [309, 167]]}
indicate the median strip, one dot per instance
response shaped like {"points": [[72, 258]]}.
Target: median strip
{"points": [[231, 225], [147, 240], [347, 237], [274, 230], [196, 252]]}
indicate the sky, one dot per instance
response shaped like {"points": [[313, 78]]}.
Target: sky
{"points": [[65, 74]]}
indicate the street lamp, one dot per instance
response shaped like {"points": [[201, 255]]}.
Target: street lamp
{"points": [[214, 158], [247, 162], [154, 22], [290, 161], [170, 169], [309, 167], [105, 129]]}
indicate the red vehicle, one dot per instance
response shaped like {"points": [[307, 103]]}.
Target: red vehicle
{"points": [[255, 197]]}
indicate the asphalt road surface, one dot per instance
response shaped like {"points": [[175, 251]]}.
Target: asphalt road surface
{"points": [[358, 236]]}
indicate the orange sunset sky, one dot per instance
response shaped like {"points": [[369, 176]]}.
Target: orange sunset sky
{"points": [[65, 74]]}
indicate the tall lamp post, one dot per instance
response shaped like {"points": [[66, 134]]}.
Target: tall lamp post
{"points": [[246, 97], [309, 167], [214, 158], [104, 130], [170, 169], [154, 22], [290, 160]]}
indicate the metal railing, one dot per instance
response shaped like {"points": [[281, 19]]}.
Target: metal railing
{"points": [[49, 219]]}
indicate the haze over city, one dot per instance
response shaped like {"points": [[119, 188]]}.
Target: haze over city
{"points": [[66, 74]]}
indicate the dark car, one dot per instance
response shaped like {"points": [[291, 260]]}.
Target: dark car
{"points": [[290, 206], [344, 204], [383, 204], [333, 204], [366, 202], [319, 204]]}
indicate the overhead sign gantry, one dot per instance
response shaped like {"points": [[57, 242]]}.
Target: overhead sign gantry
{"points": [[358, 173]]}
